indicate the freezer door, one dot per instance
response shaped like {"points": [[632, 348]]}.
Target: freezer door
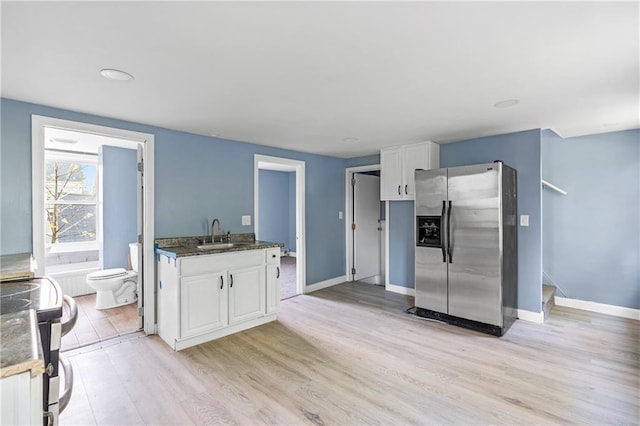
{"points": [[431, 270], [475, 287]]}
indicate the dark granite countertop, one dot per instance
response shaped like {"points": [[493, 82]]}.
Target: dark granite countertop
{"points": [[20, 347], [188, 246]]}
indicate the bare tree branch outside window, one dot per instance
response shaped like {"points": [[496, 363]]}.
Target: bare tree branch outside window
{"points": [[70, 202]]}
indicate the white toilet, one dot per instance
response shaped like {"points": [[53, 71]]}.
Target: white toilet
{"points": [[116, 287]]}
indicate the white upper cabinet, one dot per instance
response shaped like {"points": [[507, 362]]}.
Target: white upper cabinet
{"points": [[398, 165]]}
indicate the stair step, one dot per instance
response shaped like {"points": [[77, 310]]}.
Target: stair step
{"points": [[548, 293]]}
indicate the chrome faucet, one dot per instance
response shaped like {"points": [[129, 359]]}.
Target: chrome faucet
{"points": [[213, 232]]}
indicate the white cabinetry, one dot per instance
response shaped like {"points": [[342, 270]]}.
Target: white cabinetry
{"points": [[203, 303], [397, 167], [246, 294], [21, 397], [201, 298], [273, 280]]}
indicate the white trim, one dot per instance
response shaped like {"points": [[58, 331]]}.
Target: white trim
{"points": [[147, 140], [530, 316], [287, 165], [179, 344], [324, 284], [292, 254], [601, 308], [400, 289], [386, 245], [348, 207]]}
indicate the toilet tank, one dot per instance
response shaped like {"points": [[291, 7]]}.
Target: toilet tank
{"points": [[133, 252]]}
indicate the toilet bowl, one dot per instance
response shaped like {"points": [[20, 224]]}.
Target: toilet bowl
{"points": [[116, 287]]}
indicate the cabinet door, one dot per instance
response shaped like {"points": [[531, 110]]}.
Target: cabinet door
{"points": [[246, 293], [273, 288], [391, 186], [203, 303], [415, 157]]}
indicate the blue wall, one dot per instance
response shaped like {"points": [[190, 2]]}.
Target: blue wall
{"points": [[119, 205], [276, 217], [197, 178], [401, 243], [591, 236], [363, 161], [521, 151]]}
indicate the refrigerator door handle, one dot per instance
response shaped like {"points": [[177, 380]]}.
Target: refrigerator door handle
{"points": [[442, 245], [449, 250]]}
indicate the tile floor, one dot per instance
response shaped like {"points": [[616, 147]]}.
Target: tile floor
{"points": [[94, 325]]}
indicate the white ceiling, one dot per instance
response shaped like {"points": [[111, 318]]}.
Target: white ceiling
{"points": [[332, 78]]}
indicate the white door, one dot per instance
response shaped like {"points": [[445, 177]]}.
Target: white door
{"points": [[140, 227], [366, 235]]}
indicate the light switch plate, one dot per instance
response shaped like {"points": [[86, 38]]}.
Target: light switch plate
{"points": [[339, 215], [524, 220], [246, 220]]}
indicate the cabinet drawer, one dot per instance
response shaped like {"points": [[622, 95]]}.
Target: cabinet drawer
{"points": [[197, 265], [273, 256]]}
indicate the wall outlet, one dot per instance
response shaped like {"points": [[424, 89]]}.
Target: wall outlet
{"points": [[339, 215], [246, 220], [524, 220]]}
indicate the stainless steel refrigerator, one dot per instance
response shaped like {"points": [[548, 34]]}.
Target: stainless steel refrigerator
{"points": [[466, 266]]}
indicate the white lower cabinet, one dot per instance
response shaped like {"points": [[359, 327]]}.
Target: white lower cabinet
{"points": [[246, 294], [273, 280], [21, 397], [203, 303], [201, 298]]}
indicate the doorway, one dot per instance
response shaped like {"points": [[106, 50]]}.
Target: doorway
{"points": [[83, 250], [365, 225], [279, 212]]}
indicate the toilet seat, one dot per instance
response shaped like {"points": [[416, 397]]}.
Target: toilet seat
{"points": [[107, 274]]}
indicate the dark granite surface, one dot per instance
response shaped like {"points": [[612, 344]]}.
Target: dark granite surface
{"points": [[20, 347], [188, 246]]}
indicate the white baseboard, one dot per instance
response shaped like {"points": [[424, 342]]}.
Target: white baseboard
{"points": [[324, 284], [292, 254], [601, 308], [537, 317], [400, 289]]}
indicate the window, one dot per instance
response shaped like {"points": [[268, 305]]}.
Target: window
{"points": [[70, 201]]}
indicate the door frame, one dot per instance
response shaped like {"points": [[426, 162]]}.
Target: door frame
{"points": [[266, 162], [146, 140], [348, 207]]}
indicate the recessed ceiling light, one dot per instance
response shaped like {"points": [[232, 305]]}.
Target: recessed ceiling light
{"points": [[507, 103], [350, 140], [112, 74]]}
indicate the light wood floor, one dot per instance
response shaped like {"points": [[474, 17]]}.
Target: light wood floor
{"points": [[349, 355]]}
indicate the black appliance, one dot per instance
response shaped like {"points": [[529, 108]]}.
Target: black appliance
{"points": [[429, 231], [45, 297]]}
